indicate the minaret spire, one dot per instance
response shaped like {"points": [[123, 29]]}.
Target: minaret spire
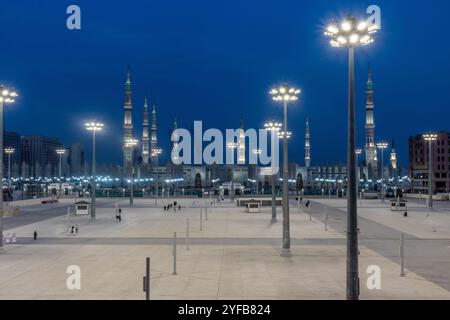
{"points": [[307, 145], [128, 121], [393, 157], [154, 139], [145, 137], [370, 148]]}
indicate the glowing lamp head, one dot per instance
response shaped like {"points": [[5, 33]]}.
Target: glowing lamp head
{"points": [[60, 151], [430, 137], [94, 126], [351, 33], [285, 93]]}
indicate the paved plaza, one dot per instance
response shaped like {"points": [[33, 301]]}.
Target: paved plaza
{"points": [[235, 255]]}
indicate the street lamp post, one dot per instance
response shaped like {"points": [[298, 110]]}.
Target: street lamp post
{"points": [[351, 34], [285, 94], [274, 128], [60, 152], [130, 144], [155, 154], [358, 152], [430, 137], [9, 151], [382, 146], [94, 127], [6, 96]]}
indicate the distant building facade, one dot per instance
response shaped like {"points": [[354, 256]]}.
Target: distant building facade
{"points": [[39, 153], [419, 165], [76, 159]]}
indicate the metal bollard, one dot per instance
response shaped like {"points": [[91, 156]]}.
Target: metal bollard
{"points": [[187, 234], [402, 255], [201, 220], [206, 212], [309, 209], [326, 218], [146, 279], [174, 253]]}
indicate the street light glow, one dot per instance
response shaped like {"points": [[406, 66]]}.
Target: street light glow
{"points": [[350, 33], [273, 126], [430, 137], [60, 151], [285, 93], [94, 126], [382, 145]]}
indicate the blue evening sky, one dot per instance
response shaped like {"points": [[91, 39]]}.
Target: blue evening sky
{"points": [[215, 61]]}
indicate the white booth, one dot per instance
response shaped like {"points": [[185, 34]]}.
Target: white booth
{"points": [[82, 208]]}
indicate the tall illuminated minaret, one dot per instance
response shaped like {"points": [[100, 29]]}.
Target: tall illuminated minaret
{"points": [[154, 139], [241, 144], [127, 121], [145, 137], [371, 152], [393, 157], [307, 146]]}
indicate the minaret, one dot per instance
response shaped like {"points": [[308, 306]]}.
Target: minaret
{"points": [[175, 142], [241, 144], [307, 146], [128, 121], [393, 157], [154, 139], [145, 137], [371, 152]]}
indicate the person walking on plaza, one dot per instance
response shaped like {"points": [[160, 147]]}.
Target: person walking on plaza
{"points": [[35, 235]]}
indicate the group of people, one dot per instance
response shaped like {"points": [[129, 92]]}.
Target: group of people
{"points": [[73, 230], [173, 206]]}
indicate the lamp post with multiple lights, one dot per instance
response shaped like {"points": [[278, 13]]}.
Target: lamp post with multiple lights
{"points": [[382, 146], [232, 146], [274, 128], [60, 152], [6, 96], [9, 151], [94, 127], [131, 144], [285, 94], [351, 34], [430, 137], [155, 154]]}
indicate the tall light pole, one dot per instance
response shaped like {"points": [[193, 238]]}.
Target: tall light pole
{"points": [[274, 128], [9, 151], [285, 94], [382, 146], [430, 137], [60, 152], [358, 152], [94, 127], [232, 146], [257, 152], [155, 154], [351, 34], [131, 144], [6, 96]]}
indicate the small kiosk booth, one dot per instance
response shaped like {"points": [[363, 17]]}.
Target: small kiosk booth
{"points": [[82, 208]]}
